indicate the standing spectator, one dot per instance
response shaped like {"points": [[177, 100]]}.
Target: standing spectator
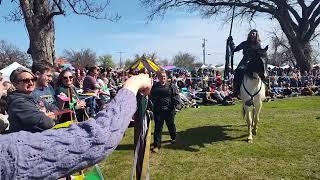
{"points": [[27, 112], [43, 74], [166, 100], [90, 85]]}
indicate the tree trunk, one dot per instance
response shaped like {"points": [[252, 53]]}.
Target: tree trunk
{"points": [[42, 44], [301, 49], [302, 54], [40, 27]]}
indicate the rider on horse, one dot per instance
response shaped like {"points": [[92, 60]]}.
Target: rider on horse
{"points": [[249, 47]]}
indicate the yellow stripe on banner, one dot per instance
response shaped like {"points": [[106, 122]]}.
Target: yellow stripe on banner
{"points": [[136, 64], [145, 164], [153, 65], [63, 125], [140, 66]]}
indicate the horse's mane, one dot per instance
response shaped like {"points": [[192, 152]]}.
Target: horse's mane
{"points": [[256, 63]]}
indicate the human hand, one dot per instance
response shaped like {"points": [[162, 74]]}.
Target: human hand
{"points": [[50, 114], [63, 94], [140, 82], [80, 104]]}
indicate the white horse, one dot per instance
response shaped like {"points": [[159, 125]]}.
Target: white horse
{"points": [[252, 93]]}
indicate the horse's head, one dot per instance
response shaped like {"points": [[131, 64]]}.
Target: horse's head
{"points": [[258, 58]]}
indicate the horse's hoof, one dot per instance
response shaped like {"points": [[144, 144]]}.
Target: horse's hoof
{"points": [[249, 140]]}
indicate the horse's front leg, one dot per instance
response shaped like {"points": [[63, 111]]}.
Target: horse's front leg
{"points": [[249, 122], [256, 115]]}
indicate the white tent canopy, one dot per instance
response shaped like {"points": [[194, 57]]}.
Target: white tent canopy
{"points": [[203, 66], [270, 66], [8, 70], [221, 67], [316, 65], [285, 66]]}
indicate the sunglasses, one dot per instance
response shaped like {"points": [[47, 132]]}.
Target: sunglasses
{"points": [[68, 77], [26, 81]]}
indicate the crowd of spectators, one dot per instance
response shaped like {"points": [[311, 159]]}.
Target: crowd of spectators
{"points": [[286, 82], [93, 87]]}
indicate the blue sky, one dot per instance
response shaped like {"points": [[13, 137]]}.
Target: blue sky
{"points": [[176, 32]]}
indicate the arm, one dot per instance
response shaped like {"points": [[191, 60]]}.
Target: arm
{"points": [[240, 46], [26, 112], [57, 153]]}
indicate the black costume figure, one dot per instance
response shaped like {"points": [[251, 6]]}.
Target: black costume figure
{"points": [[166, 100], [249, 48]]}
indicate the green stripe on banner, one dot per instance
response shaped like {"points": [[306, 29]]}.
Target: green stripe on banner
{"points": [[94, 174]]}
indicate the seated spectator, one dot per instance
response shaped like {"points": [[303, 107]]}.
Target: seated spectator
{"points": [[207, 98], [307, 91], [286, 91], [64, 82], [222, 95], [27, 112]]}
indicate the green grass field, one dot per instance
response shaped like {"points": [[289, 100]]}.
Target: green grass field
{"points": [[211, 144]]}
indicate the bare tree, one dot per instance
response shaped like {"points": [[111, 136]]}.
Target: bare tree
{"points": [[298, 19], [38, 16], [10, 53], [282, 52], [83, 58]]}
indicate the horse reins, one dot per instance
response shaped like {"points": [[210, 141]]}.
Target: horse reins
{"points": [[250, 102]]}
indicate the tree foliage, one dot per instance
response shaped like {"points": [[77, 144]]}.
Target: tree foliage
{"points": [[184, 60], [82, 58], [298, 19], [10, 53], [128, 63], [106, 61], [164, 62]]}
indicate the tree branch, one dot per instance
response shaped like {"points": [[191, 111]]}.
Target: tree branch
{"points": [[93, 10], [313, 6], [161, 6], [294, 13], [311, 30], [54, 13]]}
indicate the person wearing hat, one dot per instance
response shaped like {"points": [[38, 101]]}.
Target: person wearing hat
{"points": [[27, 112], [248, 47]]}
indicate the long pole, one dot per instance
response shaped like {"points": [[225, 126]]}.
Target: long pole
{"points": [[204, 50], [121, 58]]}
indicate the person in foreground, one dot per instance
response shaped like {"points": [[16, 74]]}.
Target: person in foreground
{"points": [[52, 154]]}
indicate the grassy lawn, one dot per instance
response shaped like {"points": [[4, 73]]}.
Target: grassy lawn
{"points": [[211, 144]]}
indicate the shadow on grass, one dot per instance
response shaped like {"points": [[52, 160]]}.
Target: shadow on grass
{"points": [[125, 147], [200, 136]]}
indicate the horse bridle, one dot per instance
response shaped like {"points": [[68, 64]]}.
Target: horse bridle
{"points": [[250, 102]]}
